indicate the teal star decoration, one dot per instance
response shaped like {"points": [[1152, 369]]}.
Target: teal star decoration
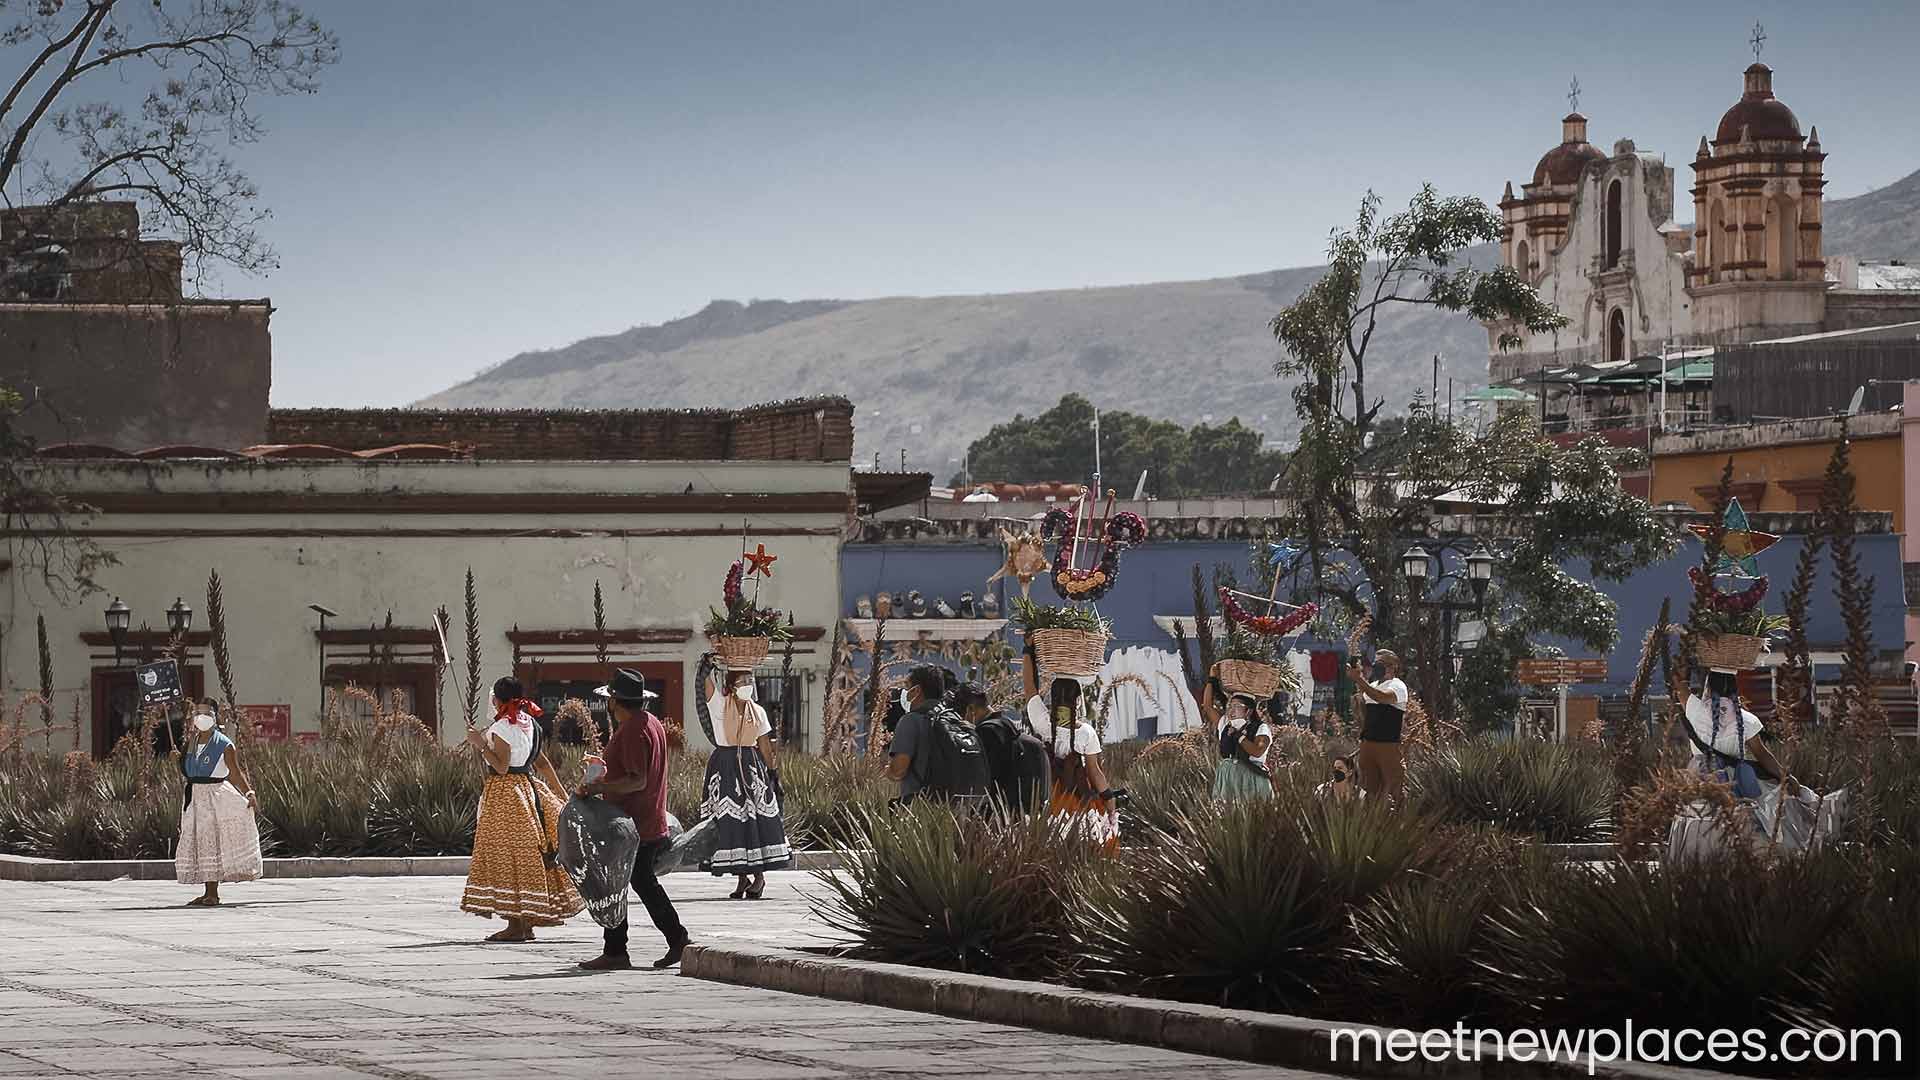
{"points": [[1739, 543]]}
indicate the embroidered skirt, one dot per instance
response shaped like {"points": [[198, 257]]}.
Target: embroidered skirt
{"points": [[1233, 781], [219, 840], [1090, 815], [510, 875], [750, 834]]}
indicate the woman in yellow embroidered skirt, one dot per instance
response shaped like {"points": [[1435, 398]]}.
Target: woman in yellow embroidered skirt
{"points": [[514, 873]]}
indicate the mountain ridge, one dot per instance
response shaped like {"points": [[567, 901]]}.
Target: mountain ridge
{"points": [[930, 374]]}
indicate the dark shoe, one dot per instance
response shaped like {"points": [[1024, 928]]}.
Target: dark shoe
{"points": [[738, 893], [758, 892], [673, 955], [606, 962]]}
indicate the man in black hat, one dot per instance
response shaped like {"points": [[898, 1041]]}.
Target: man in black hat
{"points": [[636, 780]]}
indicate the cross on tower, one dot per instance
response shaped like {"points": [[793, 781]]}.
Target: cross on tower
{"points": [[1758, 40], [1573, 94]]}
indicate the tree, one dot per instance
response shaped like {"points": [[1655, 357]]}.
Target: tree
{"points": [[1057, 445], [1361, 505], [114, 100], [111, 99]]}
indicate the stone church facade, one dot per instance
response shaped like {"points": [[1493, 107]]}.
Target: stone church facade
{"points": [[1595, 232]]}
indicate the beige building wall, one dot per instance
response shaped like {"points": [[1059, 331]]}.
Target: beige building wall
{"points": [[363, 538]]}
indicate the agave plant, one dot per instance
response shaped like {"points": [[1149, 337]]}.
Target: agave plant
{"points": [[1719, 943], [1561, 792], [1245, 906], [963, 892], [424, 806], [823, 796]]}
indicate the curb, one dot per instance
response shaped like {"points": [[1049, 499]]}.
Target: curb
{"points": [[1267, 1038], [27, 868]]}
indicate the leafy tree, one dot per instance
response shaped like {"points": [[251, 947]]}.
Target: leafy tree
{"points": [[112, 99], [1206, 459], [117, 100], [1361, 506]]}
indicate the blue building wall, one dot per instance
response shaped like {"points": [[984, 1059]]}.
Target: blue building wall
{"points": [[1156, 579]]}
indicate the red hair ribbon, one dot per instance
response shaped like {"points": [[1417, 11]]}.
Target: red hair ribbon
{"points": [[511, 711]]}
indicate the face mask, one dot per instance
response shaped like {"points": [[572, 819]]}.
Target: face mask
{"points": [[744, 691], [905, 702], [203, 723]]}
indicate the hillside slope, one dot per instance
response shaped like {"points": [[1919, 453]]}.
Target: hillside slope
{"points": [[930, 374]]}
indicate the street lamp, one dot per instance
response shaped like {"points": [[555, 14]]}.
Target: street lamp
{"points": [[179, 617], [119, 616], [1414, 565], [1480, 573]]}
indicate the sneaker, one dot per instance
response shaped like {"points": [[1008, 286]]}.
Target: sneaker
{"points": [[673, 954], [606, 962]]}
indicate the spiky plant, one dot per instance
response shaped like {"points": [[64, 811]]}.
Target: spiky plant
{"points": [[1559, 792], [46, 679], [217, 630], [1629, 745], [599, 627], [1793, 695], [1858, 706], [1203, 621], [473, 653]]}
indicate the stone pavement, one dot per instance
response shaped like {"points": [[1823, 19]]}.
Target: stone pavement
{"points": [[385, 977]]}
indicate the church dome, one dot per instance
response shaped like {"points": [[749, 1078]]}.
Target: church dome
{"points": [[1758, 112], [1563, 164]]}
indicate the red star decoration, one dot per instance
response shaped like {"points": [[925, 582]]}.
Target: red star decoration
{"points": [[760, 562]]}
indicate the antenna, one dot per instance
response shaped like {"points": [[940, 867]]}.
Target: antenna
{"points": [[1140, 489]]}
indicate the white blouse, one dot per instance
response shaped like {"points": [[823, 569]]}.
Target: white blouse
{"points": [[518, 737], [1071, 739], [743, 730], [1264, 729], [1734, 731]]}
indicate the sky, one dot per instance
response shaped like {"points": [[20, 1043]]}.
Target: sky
{"points": [[483, 177]]}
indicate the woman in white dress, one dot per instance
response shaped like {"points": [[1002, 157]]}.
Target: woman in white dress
{"points": [[219, 839], [743, 789]]}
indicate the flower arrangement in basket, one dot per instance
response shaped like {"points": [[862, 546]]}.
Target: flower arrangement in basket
{"points": [[1247, 666], [1733, 629], [1066, 640], [744, 632]]}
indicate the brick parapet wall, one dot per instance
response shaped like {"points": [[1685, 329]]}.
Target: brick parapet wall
{"points": [[809, 430]]}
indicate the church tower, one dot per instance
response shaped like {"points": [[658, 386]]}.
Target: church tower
{"points": [[1756, 197], [1537, 221]]}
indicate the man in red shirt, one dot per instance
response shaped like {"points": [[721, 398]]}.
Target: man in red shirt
{"points": [[636, 781]]}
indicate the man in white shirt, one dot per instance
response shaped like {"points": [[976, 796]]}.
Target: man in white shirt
{"points": [[1382, 768]]}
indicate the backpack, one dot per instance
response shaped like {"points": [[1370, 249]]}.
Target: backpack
{"points": [[956, 764], [1022, 769]]}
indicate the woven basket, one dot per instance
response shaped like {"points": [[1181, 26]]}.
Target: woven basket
{"points": [[1261, 681], [1078, 653], [1730, 652], [741, 653]]}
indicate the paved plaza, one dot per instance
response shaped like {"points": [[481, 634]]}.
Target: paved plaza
{"points": [[386, 977]]}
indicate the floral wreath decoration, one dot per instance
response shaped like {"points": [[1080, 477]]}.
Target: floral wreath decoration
{"points": [[1124, 530], [1265, 625]]}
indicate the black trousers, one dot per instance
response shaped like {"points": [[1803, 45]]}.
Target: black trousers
{"points": [[654, 896]]}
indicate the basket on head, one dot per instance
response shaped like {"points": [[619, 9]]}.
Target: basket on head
{"points": [[1250, 677], [1078, 653], [1730, 652], [741, 653]]}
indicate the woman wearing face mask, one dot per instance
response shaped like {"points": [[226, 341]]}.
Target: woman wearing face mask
{"points": [[219, 840], [743, 789], [515, 872], [1081, 793], [1244, 742]]}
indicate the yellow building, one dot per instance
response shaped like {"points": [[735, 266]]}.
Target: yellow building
{"points": [[1779, 466]]}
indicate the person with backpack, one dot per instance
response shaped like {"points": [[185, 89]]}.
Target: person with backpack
{"points": [[1017, 761], [934, 753]]}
